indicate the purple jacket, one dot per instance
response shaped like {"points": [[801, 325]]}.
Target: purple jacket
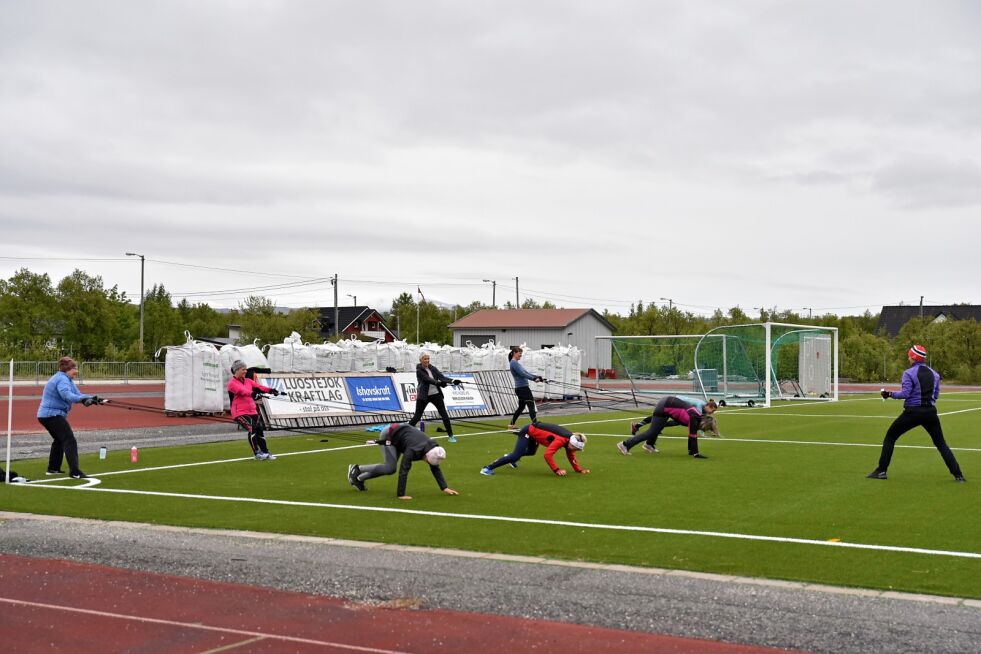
{"points": [[921, 387]]}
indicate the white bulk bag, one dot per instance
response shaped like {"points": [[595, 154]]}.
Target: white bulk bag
{"points": [[192, 377]]}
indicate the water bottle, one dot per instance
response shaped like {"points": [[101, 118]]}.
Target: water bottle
{"points": [[422, 425], [102, 452], [134, 454]]}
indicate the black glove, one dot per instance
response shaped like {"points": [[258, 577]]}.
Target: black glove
{"points": [[539, 379], [442, 384], [275, 392], [885, 394], [97, 400], [390, 369], [89, 401], [457, 382]]}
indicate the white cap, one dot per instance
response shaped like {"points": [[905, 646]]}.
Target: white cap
{"points": [[435, 456], [577, 441]]}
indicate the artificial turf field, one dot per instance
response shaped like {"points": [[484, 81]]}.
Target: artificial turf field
{"points": [[783, 495]]}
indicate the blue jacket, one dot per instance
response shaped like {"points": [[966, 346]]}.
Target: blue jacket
{"points": [[921, 387], [60, 393], [521, 375]]}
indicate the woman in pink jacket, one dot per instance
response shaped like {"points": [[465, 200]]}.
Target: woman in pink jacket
{"points": [[242, 390]]}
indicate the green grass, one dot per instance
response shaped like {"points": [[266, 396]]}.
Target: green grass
{"points": [[793, 471]]}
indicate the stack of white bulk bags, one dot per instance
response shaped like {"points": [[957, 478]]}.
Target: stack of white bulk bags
{"points": [[192, 377], [291, 356], [325, 357], [390, 355]]}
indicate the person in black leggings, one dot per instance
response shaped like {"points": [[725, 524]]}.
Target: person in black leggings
{"points": [[521, 388], [430, 383]]}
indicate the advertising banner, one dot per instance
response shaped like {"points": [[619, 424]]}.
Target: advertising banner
{"points": [[456, 398]]}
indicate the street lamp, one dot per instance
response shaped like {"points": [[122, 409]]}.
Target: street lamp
{"points": [[761, 310], [355, 297], [669, 301], [493, 284], [142, 265], [808, 312], [517, 302]]}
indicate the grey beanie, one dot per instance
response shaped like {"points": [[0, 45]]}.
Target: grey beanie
{"points": [[237, 365]]}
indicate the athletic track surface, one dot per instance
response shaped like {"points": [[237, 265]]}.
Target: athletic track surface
{"points": [[64, 606]]}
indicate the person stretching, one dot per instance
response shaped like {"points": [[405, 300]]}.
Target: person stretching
{"points": [[553, 437], [668, 408]]}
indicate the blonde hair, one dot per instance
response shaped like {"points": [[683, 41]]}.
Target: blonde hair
{"points": [[710, 426], [66, 363]]}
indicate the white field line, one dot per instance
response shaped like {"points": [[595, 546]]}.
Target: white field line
{"points": [[782, 442], [257, 635], [531, 521]]}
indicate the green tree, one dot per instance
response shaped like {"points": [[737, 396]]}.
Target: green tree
{"points": [[161, 325], [260, 320], [87, 315], [29, 318]]}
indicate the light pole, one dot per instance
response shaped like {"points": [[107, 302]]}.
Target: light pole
{"points": [[517, 302], [142, 266], [493, 284], [761, 310], [355, 297], [669, 301], [808, 312]]}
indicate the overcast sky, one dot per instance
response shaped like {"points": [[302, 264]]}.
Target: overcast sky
{"points": [[776, 154]]}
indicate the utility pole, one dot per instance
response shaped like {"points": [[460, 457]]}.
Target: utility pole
{"points": [[670, 302], [517, 302], [493, 291], [142, 265], [808, 312], [921, 306], [337, 316]]}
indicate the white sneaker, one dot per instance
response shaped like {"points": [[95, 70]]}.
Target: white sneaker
{"points": [[623, 449], [270, 456], [650, 448], [261, 456]]}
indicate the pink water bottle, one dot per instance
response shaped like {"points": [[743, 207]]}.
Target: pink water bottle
{"points": [[134, 454]]}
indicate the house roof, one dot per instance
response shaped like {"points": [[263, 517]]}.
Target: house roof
{"points": [[892, 318], [525, 318], [347, 316]]}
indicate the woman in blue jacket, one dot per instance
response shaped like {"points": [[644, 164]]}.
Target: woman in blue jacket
{"points": [[521, 388], [60, 393]]}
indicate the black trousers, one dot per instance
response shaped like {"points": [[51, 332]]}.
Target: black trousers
{"points": [[525, 399], [64, 446], [436, 401], [910, 418], [257, 439]]}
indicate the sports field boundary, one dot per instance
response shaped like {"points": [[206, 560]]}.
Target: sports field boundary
{"points": [[490, 556]]}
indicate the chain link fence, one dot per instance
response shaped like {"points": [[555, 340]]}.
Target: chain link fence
{"points": [[90, 371]]}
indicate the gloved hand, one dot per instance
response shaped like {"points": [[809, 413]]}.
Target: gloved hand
{"points": [[89, 401], [97, 400], [539, 379], [275, 392], [457, 382], [442, 384], [885, 394]]}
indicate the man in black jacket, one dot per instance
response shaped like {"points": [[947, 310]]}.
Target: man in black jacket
{"points": [[429, 384], [412, 445]]}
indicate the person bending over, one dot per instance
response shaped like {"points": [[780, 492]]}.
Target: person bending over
{"points": [[553, 438], [670, 408], [405, 441]]}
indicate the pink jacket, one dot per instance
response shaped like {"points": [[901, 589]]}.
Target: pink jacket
{"points": [[241, 391]]}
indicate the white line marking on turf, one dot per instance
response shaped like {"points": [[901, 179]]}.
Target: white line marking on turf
{"points": [[199, 626], [782, 442], [950, 413], [532, 521]]}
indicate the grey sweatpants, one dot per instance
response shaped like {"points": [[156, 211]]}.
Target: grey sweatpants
{"points": [[380, 469]]}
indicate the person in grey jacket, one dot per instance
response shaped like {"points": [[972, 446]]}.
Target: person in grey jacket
{"points": [[521, 388], [399, 439], [429, 384]]}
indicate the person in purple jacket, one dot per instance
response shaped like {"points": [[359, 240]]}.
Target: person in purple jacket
{"points": [[920, 390], [671, 408]]}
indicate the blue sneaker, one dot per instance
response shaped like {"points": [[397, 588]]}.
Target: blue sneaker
{"points": [[452, 438], [487, 472]]}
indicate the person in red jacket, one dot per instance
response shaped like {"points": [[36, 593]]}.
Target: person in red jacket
{"points": [[682, 412], [242, 392], [553, 437]]}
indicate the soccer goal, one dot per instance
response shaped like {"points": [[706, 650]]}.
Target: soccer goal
{"points": [[661, 365], [761, 362]]}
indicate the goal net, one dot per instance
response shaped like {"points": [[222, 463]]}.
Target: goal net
{"points": [[762, 362]]}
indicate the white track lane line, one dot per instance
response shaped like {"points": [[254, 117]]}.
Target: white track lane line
{"points": [[197, 625]]}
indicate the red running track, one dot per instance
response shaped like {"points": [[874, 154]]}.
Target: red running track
{"points": [[82, 418], [55, 605]]}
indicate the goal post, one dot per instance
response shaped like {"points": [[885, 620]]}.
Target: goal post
{"points": [[761, 362]]}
